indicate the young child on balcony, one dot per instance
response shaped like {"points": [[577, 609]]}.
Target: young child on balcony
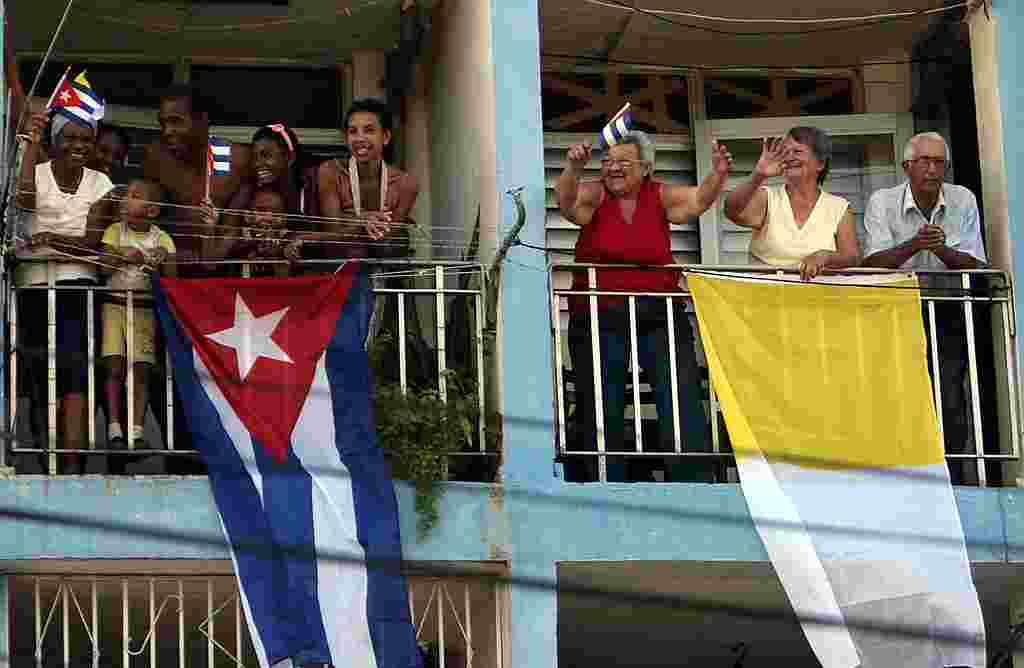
{"points": [[136, 247], [265, 235]]}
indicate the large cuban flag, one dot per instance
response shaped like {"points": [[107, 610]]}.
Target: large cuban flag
{"points": [[275, 384]]}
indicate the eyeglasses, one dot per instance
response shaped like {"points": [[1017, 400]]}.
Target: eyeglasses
{"points": [[624, 164], [925, 161]]}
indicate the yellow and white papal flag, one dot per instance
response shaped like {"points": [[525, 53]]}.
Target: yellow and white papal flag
{"points": [[826, 394]]}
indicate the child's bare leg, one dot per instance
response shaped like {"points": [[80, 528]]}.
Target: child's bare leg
{"points": [[114, 386], [140, 373]]}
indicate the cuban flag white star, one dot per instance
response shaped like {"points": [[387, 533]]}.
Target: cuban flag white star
{"points": [[250, 337]]}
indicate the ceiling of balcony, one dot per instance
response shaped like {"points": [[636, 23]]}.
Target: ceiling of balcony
{"points": [[611, 29], [327, 31], [316, 31]]}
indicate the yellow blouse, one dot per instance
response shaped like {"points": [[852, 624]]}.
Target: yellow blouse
{"points": [[781, 243]]}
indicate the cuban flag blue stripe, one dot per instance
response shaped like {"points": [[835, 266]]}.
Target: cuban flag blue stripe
{"points": [[391, 629], [614, 131], [90, 102], [220, 151], [288, 504], [258, 560], [77, 114]]}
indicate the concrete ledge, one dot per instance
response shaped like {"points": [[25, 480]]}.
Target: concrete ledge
{"points": [[94, 517], [172, 517]]}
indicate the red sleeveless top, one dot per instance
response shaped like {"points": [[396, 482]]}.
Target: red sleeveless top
{"points": [[609, 239]]}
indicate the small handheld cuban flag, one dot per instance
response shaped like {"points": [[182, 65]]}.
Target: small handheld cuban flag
{"points": [[77, 99], [616, 129], [219, 157]]}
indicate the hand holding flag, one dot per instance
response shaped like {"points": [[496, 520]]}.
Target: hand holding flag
{"points": [[613, 133], [579, 156], [38, 124]]}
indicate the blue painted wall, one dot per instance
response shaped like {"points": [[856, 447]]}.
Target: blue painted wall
{"points": [[527, 390], [1010, 17], [91, 517], [174, 518]]}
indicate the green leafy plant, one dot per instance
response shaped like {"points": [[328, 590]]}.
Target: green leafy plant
{"points": [[416, 429]]}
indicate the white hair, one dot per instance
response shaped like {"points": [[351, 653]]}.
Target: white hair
{"points": [[644, 144], [910, 149]]}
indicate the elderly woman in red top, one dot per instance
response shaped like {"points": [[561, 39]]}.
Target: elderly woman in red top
{"points": [[625, 219]]}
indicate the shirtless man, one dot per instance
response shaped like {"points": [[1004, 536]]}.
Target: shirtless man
{"points": [[178, 163]]}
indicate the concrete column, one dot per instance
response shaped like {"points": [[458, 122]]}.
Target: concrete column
{"points": [[525, 337], [416, 150], [710, 221], [368, 71], [985, 66], [986, 55]]}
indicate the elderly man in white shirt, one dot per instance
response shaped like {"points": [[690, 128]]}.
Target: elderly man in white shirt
{"points": [[926, 224]]}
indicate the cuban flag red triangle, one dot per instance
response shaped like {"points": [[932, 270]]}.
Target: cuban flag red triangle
{"points": [[261, 340]]}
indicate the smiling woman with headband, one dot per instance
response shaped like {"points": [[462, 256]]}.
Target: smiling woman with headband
{"points": [[276, 166]]}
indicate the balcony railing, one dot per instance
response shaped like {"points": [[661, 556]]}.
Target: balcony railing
{"points": [[968, 319], [173, 621], [427, 335]]}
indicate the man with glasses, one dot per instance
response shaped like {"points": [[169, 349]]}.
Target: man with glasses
{"points": [[625, 218], [926, 224]]}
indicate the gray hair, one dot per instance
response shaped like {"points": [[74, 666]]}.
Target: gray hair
{"points": [[818, 141], [644, 144], [910, 148]]}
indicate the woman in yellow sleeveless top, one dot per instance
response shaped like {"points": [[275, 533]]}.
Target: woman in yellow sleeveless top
{"points": [[797, 224]]}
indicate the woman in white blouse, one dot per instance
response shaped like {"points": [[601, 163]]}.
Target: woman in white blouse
{"points": [[66, 212], [797, 224]]}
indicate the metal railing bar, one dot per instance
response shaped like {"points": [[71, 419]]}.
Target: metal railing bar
{"points": [[634, 367], [972, 372]]}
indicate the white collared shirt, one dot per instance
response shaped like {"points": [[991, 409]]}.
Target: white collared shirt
{"points": [[892, 217]]}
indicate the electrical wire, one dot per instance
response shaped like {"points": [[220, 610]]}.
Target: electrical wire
{"points": [[343, 220], [761, 34], [811, 21]]}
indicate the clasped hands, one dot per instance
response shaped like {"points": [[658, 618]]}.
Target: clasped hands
{"points": [[136, 256], [929, 238]]}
